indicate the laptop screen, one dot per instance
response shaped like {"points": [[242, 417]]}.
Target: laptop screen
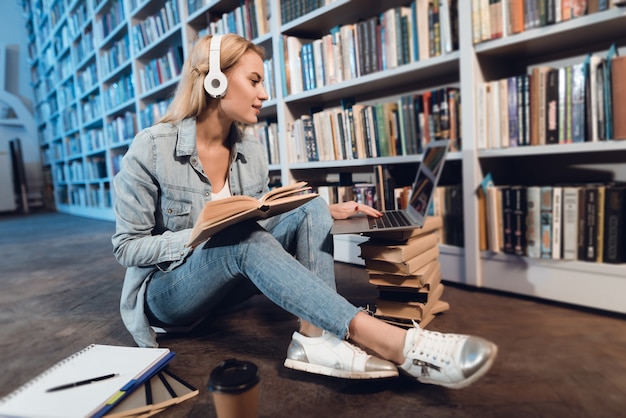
{"points": [[428, 175]]}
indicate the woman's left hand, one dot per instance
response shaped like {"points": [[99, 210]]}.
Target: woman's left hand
{"points": [[346, 209]]}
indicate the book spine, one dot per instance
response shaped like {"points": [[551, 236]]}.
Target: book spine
{"points": [[570, 223], [578, 103], [557, 194], [513, 114], [615, 225], [618, 94], [310, 142], [507, 219], [519, 217], [552, 106], [591, 219], [533, 222], [546, 222]]}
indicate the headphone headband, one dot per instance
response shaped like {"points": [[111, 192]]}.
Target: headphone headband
{"points": [[215, 82]]}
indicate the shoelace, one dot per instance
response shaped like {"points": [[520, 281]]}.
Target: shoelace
{"points": [[436, 345]]}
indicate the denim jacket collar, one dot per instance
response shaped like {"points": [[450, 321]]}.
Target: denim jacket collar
{"points": [[186, 144]]}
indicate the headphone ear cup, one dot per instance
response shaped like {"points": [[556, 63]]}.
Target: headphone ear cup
{"points": [[215, 84]]}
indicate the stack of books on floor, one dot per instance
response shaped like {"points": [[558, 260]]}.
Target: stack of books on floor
{"points": [[404, 266], [101, 381]]}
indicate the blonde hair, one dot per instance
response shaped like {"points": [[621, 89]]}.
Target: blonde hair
{"points": [[190, 98]]}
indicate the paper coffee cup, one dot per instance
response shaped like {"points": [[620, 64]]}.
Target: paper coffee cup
{"points": [[235, 389]]}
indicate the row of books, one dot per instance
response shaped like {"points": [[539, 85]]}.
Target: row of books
{"points": [[250, 20], [293, 9], [493, 19], [267, 133], [583, 222], [154, 27], [161, 69], [398, 36], [404, 267], [354, 131], [581, 102]]}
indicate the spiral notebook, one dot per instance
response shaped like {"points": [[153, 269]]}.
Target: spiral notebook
{"points": [[114, 372]]}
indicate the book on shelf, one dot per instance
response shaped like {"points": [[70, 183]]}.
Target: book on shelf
{"points": [[492, 19], [618, 94], [595, 97], [546, 221], [519, 195], [407, 267], [220, 214], [578, 100], [507, 219], [557, 211], [163, 390], [589, 223], [482, 219], [397, 253], [551, 107], [494, 218], [615, 224], [533, 221], [571, 195], [600, 224], [90, 382]]}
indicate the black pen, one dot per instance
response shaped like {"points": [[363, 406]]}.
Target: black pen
{"points": [[82, 382]]}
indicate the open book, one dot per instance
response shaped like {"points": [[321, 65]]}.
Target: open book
{"points": [[220, 214]]}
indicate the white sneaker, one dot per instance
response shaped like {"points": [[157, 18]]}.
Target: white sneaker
{"points": [[330, 356], [451, 360]]}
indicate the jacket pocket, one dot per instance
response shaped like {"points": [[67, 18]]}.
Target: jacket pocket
{"points": [[176, 214]]}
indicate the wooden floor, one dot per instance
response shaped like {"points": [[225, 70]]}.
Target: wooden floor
{"points": [[60, 289]]}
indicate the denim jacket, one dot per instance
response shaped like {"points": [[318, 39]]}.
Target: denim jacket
{"points": [[159, 193]]}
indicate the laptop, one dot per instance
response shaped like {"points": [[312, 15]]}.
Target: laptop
{"points": [[426, 180]]}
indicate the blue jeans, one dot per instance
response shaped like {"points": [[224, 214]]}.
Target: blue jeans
{"points": [[289, 259]]}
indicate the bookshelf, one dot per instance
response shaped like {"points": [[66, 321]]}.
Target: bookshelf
{"points": [[104, 69]]}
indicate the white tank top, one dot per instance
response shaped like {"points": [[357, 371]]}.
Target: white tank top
{"points": [[225, 192]]}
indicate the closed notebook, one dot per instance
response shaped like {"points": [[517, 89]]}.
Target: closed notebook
{"points": [[131, 367]]}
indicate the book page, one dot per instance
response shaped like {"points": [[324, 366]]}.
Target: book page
{"points": [[279, 192]]}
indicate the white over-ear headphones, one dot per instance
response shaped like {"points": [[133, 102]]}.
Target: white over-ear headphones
{"points": [[215, 82]]}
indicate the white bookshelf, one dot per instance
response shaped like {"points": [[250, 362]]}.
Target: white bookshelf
{"points": [[587, 284]]}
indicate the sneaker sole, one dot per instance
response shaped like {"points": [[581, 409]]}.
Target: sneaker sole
{"points": [[464, 383], [343, 374]]}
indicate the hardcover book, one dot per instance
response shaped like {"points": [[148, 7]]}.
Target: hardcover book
{"points": [[546, 221], [407, 267], [615, 224], [397, 253], [570, 222], [557, 196], [519, 219], [618, 96], [533, 222]]}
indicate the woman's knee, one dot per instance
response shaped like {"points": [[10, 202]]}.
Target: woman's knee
{"points": [[318, 210]]}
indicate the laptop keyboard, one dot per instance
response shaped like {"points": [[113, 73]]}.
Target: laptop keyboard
{"points": [[390, 218]]}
